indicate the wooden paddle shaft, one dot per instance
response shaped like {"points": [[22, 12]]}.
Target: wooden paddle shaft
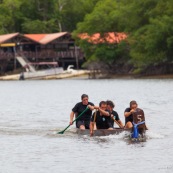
{"points": [[117, 122]]}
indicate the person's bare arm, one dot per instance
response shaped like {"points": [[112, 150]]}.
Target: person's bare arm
{"points": [[91, 107], [126, 114], [91, 128], [102, 111], [71, 117], [120, 122]]}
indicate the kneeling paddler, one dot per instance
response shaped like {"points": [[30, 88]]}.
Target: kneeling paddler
{"points": [[114, 115], [102, 118], [83, 121], [134, 117]]}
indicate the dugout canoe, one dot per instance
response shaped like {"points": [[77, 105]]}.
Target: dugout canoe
{"points": [[102, 132]]}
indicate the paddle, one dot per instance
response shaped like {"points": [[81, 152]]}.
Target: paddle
{"points": [[117, 123], [92, 127], [61, 132]]}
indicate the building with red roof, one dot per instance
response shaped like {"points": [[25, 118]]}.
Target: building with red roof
{"points": [[54, 47], [110, 37]]}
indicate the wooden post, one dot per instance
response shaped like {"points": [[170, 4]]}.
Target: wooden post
{"points": [[76, 56], [15, 63]]}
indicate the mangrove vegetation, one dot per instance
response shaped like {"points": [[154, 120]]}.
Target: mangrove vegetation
{"points": [[148, 24]]}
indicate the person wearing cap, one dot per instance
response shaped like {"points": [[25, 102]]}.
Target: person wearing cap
{"points": [[84, 121], [128, 113], [114, 114]]}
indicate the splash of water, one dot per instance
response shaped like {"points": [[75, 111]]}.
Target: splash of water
{"points": [[153, 135]]}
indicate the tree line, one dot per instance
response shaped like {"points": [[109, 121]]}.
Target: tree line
{"points": [[148, 24]]}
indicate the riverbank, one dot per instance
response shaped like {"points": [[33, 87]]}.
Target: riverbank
{"points": [[84, 74], [168, 76], [129, 76]]}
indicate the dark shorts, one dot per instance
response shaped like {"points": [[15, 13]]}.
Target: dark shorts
{"points": [[84, 123]]}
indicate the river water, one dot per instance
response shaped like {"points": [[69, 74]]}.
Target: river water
{"points": [[31, 113]]}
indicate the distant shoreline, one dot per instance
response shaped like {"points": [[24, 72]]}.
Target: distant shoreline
{"points": [[131, 76], [97, 76]]}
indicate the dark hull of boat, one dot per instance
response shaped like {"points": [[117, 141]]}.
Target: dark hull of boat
{"points": [[102, 132]]}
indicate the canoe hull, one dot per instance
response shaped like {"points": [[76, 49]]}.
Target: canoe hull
{"points": [[102, 132]]}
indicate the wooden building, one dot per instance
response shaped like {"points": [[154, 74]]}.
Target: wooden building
{"points": [[55, 47]]}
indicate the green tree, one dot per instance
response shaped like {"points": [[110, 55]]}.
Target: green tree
{"points": [[39, 16], [101, 20], [74, 12], [148, 24], [152, 43], [10, 16]]}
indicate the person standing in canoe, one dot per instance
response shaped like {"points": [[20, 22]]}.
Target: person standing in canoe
{"points": [[114, 114], [84, 121], [102, 118]]}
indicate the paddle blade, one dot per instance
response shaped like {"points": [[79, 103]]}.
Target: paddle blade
{"points": [[62, 132], [72, 122]]}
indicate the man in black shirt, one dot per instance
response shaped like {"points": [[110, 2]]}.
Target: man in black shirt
{"points": [[114, 114], [84, 120], [101, 118], [128, 113]]}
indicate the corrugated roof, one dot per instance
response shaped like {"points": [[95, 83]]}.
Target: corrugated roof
{"points": [[44, 38], [110, 37], [6, 37]]}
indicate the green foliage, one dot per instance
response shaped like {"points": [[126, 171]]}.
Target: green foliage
{"points": [[9, 15], [102, 20], [40, 16], [37, 26], [148, 23], [152, 43], [99, 20], [75, 11]]}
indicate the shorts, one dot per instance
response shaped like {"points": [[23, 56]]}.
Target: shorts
{"points": [[84, 123]]}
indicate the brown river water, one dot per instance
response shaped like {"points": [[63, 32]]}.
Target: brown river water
{"points": [[32, 112]]}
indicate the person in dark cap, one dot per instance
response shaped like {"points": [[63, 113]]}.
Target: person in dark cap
{"points": [[83, 121], [128, 113]]}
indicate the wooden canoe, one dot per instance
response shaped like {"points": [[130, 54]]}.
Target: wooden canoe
{"points": [[102, 132]]}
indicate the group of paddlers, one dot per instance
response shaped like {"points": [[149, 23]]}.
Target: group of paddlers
{"points": [[104, 116]]}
